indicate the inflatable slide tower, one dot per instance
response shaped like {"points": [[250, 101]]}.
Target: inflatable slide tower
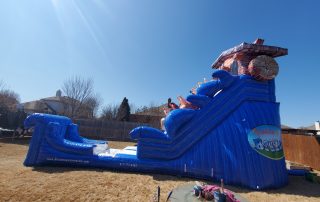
{"points": [[233, 134]]}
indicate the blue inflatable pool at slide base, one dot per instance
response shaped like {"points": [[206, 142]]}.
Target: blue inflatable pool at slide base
{"points": [[234, 135]]}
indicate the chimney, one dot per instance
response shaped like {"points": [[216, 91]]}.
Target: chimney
{"points": [[58, 93]]}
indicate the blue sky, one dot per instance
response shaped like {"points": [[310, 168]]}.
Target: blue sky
{"points": [[151, 50]]}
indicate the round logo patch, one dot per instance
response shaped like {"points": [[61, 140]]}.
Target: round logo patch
{"points": [[266, 140]]}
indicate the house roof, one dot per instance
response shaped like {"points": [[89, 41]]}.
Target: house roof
{"points": [[57, 98], [311, 127], [34, 105], [39, 105]]}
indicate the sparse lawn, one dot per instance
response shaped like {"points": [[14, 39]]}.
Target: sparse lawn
{"points": [[19, 183]]}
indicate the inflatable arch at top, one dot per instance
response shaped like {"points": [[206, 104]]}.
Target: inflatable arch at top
{"points": [[234, 134]]}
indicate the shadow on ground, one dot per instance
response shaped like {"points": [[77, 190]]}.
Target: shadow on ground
{"points": [[297, 185], [57, 169], [16, 140]]}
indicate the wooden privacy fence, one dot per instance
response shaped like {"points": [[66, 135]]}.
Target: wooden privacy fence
{"points": [[106, 130], [302, 147]]}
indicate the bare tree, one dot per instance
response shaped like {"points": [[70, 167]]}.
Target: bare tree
{"points": [[133, 108], [93, 103], [151, 109], [8, 102], [109, 112], [8, 98], [78, 90], [2, 85]]}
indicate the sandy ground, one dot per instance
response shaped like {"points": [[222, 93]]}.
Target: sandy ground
{"points": [[19, 183]]}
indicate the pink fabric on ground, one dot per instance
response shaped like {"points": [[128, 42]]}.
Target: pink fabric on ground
{"points": [[229, 195]]}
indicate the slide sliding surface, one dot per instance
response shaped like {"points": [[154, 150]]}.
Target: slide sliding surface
{"points": [[234, 135]]}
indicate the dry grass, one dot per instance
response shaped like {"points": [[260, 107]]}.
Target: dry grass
{"points": [[19, 183]]}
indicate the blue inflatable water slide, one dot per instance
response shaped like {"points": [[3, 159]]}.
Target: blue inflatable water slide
{"points": [[234, 135]]}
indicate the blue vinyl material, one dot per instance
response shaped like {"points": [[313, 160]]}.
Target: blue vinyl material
{"points": [[297, 172], [212, 142], [199, 100]]}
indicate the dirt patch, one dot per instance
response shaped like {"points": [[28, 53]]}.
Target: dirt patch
{"points": [[19, 183]]}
